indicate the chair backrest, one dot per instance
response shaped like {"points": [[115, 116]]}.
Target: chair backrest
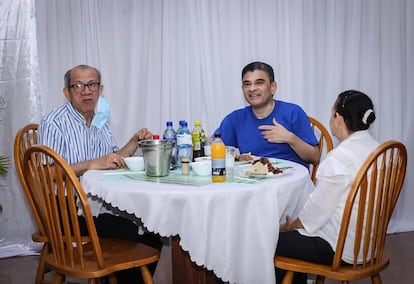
{"points": [[24, 139], [371, 200], [58, 195], [325, 142]]}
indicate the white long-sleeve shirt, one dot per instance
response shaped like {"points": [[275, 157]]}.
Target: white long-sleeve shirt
{"points": [[321, 215]]}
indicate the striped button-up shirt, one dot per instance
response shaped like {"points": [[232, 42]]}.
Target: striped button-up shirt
{"points": [[65, 130]]}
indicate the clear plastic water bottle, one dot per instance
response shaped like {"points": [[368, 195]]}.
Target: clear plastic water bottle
{"points": [[170, 134], [184, 144], [180, 125]]}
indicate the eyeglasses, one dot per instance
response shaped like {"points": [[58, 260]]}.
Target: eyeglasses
{"points": [[79, 87]]}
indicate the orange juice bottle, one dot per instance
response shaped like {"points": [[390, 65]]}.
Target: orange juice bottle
{"points": [[218, 159]]}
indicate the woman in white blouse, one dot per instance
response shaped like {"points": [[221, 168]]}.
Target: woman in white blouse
{"points": [[313, 235]]}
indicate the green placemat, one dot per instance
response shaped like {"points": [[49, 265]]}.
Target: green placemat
{"points": [[175, 177]]}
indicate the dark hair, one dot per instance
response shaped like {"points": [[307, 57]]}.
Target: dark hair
{"points": [[66, 78], [259, 66], [356, 108]]}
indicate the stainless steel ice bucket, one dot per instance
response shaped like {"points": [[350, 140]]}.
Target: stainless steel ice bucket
{"points": [[157, 156]]}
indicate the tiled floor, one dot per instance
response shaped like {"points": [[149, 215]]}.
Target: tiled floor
{"points": [[21, 270]]}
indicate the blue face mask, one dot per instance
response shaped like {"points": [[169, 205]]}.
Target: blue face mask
{"points": [[101, 116]]}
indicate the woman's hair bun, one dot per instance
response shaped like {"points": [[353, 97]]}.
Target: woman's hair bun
{"points": [[369, 113]]}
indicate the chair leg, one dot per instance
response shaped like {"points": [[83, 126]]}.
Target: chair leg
{"points": [[112, 278], [288, 277], [146, 275], [58, 278], [376, 279], [320, 279], [41, 267]]}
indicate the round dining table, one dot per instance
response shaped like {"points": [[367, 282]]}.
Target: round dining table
{"points": [[230, 228]]}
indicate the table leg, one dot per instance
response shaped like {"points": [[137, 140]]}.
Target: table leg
{"points": [[187, 272]]}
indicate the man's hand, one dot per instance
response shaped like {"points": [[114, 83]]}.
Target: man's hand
{"points": [[110, 161], [142, 134], [275, 133]]}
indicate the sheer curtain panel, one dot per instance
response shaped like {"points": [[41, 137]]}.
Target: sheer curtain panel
{"points": [[21, 99], [182, 59]]}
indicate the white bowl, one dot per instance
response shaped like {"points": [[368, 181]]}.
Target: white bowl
{"points": [[201, 168], [135, 163], [205, 158]]}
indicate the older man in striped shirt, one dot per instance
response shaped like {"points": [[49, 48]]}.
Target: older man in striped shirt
{"points": [[79, 131]]}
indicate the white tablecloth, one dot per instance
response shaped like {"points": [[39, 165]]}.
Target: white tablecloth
{"points": [[231, 228]]}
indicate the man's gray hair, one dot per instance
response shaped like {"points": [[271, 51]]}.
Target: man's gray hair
{"points": [[82, 66]]}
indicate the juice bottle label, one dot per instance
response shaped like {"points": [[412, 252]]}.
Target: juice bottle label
{"points": [[218, 167]]}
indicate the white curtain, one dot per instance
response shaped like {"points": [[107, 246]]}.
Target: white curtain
{"points": [[20, 92], [182, 59]]}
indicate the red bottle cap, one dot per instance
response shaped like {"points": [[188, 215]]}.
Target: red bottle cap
{"points": [[155, 137]]}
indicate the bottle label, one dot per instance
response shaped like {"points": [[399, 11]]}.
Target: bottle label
{"points": [[218, 167], [184, 139], [196, 140], [202, 142], [202, 137]]}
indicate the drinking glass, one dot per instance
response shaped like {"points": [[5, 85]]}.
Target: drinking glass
{"points": [[230, 156]]}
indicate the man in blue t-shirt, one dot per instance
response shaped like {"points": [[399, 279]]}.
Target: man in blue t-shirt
{"points": [[269, 127]]}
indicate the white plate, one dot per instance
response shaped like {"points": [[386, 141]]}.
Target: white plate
{"points": [[122, 172], [239, 163], [285, 171], [267, 176], [272, 160]]}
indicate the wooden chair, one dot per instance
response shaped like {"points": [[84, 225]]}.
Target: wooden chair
{"points": [[58, 197], [325, 142], [24, 139], [377, 185]]}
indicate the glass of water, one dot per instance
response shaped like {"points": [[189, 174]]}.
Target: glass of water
{"points": [[230, 156]]}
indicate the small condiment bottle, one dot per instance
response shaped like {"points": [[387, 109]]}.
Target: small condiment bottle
{"points": [[185, 166]]}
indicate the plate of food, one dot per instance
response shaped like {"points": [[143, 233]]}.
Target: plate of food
{"points": [[243, 159], [263, 168]]}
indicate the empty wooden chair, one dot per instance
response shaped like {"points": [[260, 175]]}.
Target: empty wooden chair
{"points": [[377, 185], [24, 139], [325, 142], [58, 198]]}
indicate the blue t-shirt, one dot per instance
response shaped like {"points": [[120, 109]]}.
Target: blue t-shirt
{"points": [[240, 129]]}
